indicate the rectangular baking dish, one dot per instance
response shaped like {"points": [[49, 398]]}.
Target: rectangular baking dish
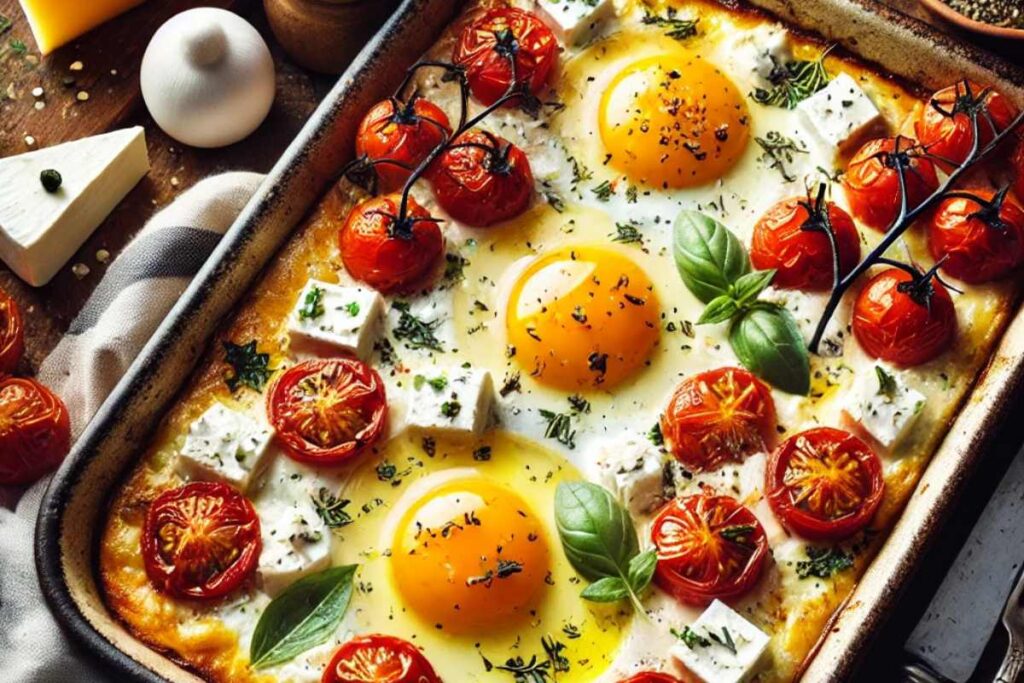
{"points": [[72, 513]]}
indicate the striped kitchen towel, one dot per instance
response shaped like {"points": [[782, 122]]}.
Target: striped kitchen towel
{"points": [[134, 296]]}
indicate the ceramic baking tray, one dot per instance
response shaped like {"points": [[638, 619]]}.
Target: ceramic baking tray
{"points": [[72, 514]]}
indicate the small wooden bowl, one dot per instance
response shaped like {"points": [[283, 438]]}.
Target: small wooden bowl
{"points": [[941, 9]]}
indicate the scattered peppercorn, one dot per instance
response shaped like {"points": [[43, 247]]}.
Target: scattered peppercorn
{"points": [[51, 180]]}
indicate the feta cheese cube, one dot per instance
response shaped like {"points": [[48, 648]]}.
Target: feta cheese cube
{"points": [[807, 309], [296, 542], [451, 399], [883, 404], [708, 654], [225, 445], [575, 21], [328, 317], [634, 469], [757, 53], [839, 113]]}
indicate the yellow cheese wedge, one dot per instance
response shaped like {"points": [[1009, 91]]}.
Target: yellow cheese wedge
{"points": [[55, 22]]}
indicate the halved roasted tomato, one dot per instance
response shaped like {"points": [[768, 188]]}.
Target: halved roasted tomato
{"points": [[12, 334], [379, 659], [709, 547], [824, 483], [35, 430], [651, 677], [327, 411], [718, 416], [502, 46], [944, 126], [201, 540]]}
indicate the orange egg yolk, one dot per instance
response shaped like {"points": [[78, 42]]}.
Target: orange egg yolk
{"points": [[673, 121], [470, 555], [582, 317]]}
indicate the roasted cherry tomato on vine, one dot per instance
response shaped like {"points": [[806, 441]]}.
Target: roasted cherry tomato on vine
{"points": [[201, 540], [872, 181], [488, 46], [328, 410], [718, 416], [651, 677], [379, 659], [404, 133], [35, 430], [903, 319], [387, 253], [482, 179], [944, 126], [977, 241], [791, 238], [709, 547], [12, 334], [824, 484]]}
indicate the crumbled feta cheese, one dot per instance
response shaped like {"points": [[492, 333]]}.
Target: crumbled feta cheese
{"points": [[807, 309], [840, 112], [296, 542], [883, 404], [722, 646], [575, 21], [634, 469], [329, 317], [451, 399], [225, 445]]}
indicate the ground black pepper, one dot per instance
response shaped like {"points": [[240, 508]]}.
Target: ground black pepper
{"points": [[1008, 13]]}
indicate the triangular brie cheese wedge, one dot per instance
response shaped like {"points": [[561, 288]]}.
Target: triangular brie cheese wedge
{"points": [[40, 230]]}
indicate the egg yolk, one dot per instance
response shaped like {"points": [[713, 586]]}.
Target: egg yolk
{"points": [[673, 121], [470, 555], [582, 317]]}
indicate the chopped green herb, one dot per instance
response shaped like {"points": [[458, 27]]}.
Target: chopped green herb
{"points": [[887, 385], [352, 308], [823, 562], [691, 638], [331, 509], [725, 640], [248, 367], [18, 47], [451, 409], [439, 383], [628, 233], [579, 404], [655, 435], [603, 191], [739, 534], [631, 194], [779, 151], [454, 265], [386, 471], [793, 82], [51, 180], [512, 383], [559, 427], [580, 172], [418, 334], [678, 29], [313, 305]]}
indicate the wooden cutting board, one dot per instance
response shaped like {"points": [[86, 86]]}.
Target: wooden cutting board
{"points": [[104, 65]]}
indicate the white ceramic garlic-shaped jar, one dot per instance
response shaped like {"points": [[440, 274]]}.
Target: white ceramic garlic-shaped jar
{"points": [[207, 78]]}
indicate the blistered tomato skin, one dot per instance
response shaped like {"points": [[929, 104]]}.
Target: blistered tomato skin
{"points": [[12, 334], [488, 46], [651, 677], [35, 430], [379, 659], [404, 133], [200, 541], [974, 242], [944, 126], [872, 183], [482, 180], [901, 324], [389, 256], [802, 257]]}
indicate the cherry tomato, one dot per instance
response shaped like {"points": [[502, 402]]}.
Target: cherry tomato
{"points": [[488, 46], [12, 334], [483, 179], [903, 321], [977, 243], [708, 547], [389, 255], [872, 180], [824, 484], [788, 240], [200, 540], [718, 416], [328, 410], [651, 677], [944, 124], [35, 430], [379, 659], [402, 132]]}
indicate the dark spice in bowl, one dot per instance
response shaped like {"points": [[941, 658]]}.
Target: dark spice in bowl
{"points": [[1007, 13]]}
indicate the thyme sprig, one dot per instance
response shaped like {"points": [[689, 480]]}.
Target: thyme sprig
{"points": [[793, 82]]}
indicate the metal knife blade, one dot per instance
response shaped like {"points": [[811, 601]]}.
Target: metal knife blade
{"points": [[953, 632]]}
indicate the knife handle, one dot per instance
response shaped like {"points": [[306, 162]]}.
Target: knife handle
{"points": [[920, 673], [1013, 664]]}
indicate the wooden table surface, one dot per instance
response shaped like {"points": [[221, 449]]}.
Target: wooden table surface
{"points": [[110, 58]]}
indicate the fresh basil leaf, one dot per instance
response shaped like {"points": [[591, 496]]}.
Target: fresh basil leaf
{"points": [[304, 615], [748, 287], [709, 257], [720, 309], [641, 569], [597, 532], [608, 589], [769, 344]]}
